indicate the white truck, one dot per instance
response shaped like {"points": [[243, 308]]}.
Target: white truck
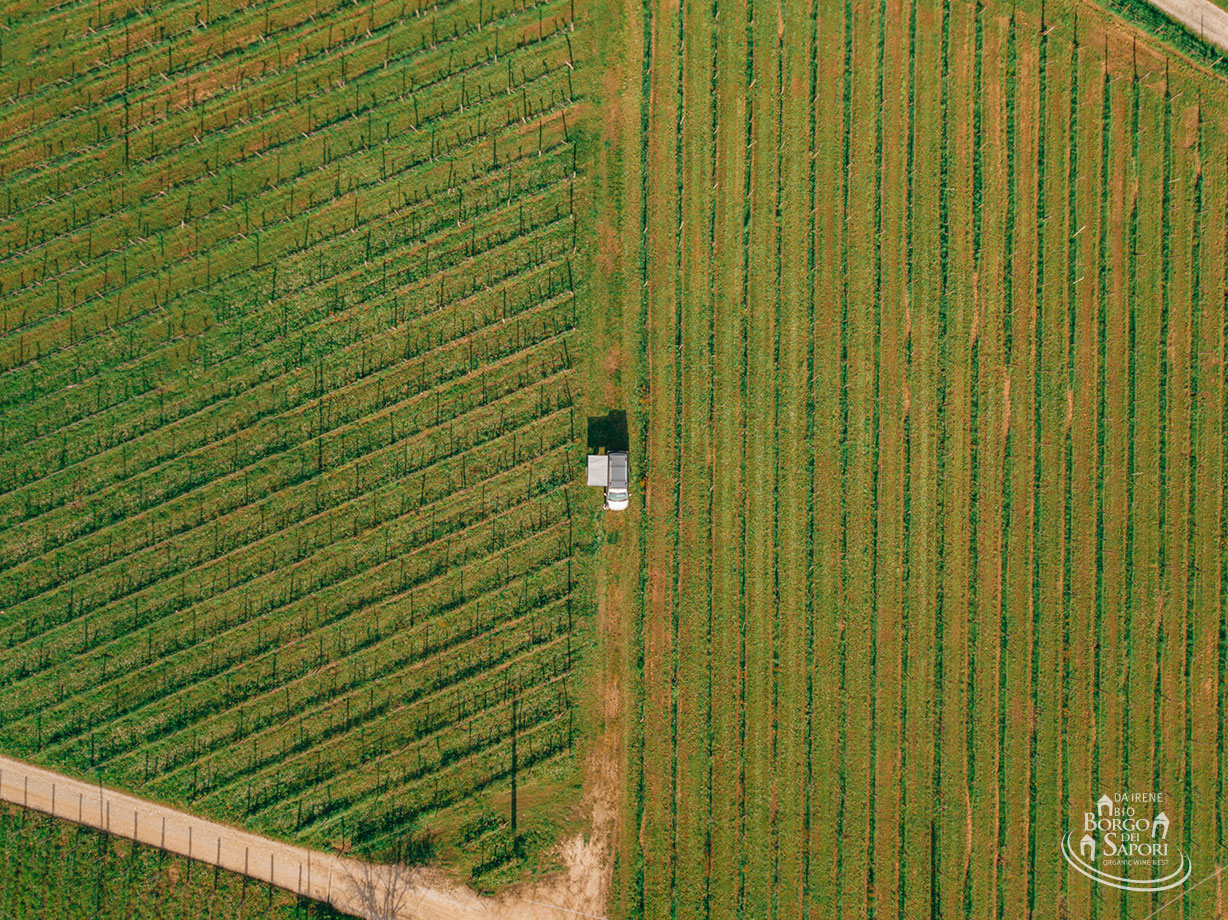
{"points": [[609, 471]]}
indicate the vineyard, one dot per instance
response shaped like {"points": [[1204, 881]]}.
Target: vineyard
{"points": [[927, 338], [54, 869], [287, 432]]}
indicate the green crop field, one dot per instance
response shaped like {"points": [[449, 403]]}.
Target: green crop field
{"points": [[927, 346], [287, 428], [918, 311], [54, 870]]}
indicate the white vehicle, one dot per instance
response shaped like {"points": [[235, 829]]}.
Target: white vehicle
{"points": [[616, 495], [609, 471]]}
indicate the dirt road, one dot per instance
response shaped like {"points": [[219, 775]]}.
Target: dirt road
{"points": [[1202, 17], [376, 892]]}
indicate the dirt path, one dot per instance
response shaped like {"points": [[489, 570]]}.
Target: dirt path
{"points": [[377, 892], [1202, 17]]}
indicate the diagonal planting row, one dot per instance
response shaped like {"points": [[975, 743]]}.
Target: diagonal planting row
{"points": [[164, 209], [253, 611], [332, 317], [54, 314], [311, 448], [227, 93], [414, 656]]}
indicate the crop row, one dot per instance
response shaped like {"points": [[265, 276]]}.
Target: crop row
{"points": [[100, 475], [97, 299], [157, 185], [966, 417], [165, 696], [281, 169], [53, 45], [330, 438], [299, 706], [374, 821], [241, 595], [503, 666], [288, 445], [231, 85], [366, 679], [251, 345], [176, 332], [305, 462]]}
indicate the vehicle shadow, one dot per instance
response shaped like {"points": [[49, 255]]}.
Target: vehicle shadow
{"points": [[608, 432]]}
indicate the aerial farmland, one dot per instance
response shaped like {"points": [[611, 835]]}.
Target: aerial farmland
{"points": [[894, 332], [287, 407], [930, 345]]}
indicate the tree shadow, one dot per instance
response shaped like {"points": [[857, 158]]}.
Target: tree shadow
{"points": [[385, 892]]}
